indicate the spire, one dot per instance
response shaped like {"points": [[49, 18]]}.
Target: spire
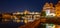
{"points": [[58, 1], [58, 4], [51, 4], [26, 11], [46, 4]]}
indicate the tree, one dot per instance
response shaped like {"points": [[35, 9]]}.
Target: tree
{"points": [[43, 13]]}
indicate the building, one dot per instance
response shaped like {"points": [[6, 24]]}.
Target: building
{"points": [[28, 16], [57, 7], [57, 26], [17, 13], [26, 12], [49, 9], [46, 6]]}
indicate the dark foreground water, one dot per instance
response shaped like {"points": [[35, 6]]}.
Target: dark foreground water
{"points": [[11, 25]]}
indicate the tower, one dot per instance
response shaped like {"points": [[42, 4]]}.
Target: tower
{"points": [[46, 6], [26, 12], [57, 7]]}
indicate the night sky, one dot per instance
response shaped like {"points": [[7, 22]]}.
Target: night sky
{"points": [[21, 5]]}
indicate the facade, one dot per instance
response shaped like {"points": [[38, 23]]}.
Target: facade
{"points": [[57, 26], [26, 12], [49, 9], [57, 7]]}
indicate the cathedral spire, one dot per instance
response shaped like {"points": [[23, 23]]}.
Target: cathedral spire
{"points": [[58, 4], [46, 4], [51, 4]]}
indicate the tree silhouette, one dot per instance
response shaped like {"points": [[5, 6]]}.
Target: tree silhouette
{"points": [[43, 13]]}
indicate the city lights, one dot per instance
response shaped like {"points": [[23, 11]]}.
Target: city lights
{"points": [[49, 17]]}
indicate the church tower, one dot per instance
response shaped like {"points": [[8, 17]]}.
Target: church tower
{"points": [[57, 7]]}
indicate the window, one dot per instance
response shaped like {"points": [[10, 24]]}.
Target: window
{"points": [[58, 9], [57, 13]]}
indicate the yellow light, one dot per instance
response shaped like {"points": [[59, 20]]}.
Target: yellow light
{"points": [[18, 21], [25, 21]]}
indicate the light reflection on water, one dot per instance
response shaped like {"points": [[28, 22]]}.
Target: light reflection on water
{"points": [[11, 24]]}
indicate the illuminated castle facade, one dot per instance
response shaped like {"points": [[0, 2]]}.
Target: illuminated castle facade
{"points": [[57, 7], [52, 11], [49, 9]]}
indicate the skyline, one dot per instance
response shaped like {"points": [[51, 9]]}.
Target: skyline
{"points": [[21, 5]]}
